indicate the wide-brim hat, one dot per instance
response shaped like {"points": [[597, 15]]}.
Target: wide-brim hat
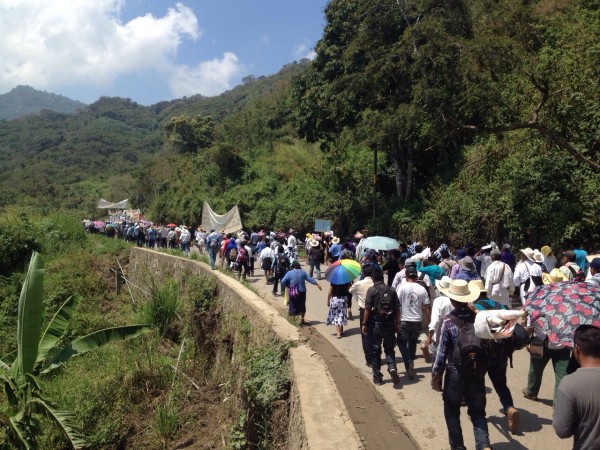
{"points": [[444, 283], [538, 256], [546, 250], [528, 252], [555, 276], [467, 263], [460, 291], [335, 240], [477, 284], [313, 243]]}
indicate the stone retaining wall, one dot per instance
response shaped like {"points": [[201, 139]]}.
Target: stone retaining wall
{"points": [[319, 419]]}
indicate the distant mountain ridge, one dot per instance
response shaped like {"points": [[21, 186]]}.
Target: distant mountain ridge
{"points": [[25, 100]]}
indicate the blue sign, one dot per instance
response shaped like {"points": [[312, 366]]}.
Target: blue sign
{"points": [[322, 225]]}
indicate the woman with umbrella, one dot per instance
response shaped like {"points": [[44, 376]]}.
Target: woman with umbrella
{"points": [[340, 274]]}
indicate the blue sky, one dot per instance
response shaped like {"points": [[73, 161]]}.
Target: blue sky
{"points": [[151, 50]]}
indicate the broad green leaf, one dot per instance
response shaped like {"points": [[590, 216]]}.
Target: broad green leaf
{"points": [[29, 319], [10, 358], [4, 367], [64, 420], [57, 326], [20, 433], [92, 341]]}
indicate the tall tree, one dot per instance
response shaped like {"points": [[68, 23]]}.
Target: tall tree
{"points": [[383, 68], [190, 134]]}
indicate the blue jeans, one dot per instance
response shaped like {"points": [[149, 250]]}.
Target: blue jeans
{"points": [[473, 390], [313, 265], [382, 335], [497, 374], [408, 337], [212, 256], [366, 339], [185, 248]]}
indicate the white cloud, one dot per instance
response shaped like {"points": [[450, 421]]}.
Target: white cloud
{"points": [[62, 42], [302, 51], [207, 78]]}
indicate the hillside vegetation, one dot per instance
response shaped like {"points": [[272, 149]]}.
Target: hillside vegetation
{"points": [[24, 100], [484, 116]]}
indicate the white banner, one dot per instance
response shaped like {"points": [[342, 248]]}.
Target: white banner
{"points": [[230, 222]]}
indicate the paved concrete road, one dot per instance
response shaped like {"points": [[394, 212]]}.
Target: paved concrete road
{"points": [[420, 409]]}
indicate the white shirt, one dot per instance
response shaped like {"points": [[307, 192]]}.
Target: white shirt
{"points": [[401, 278], [185, 236], [486, 260], [523, 271], [265, 253], [359, 290], [412, 297], [292, 241], [568, 272], [550, 262], [441, 307], [499, 282]]}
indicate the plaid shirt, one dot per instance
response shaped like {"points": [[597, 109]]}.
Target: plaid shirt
{"points": [[448, 336]]}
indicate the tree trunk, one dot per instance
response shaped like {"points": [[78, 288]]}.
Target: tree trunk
{"points": [[409, 170], [399, 169]]}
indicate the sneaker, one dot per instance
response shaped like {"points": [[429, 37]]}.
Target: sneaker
{"points": [[411, 371], [529, 396], [377, 382], [394, 375], [514, 419]]}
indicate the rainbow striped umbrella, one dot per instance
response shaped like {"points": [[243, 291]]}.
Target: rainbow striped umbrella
{"points": [[343, 271]]}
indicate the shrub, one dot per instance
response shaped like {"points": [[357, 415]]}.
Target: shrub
{"points": [[163, 307]]}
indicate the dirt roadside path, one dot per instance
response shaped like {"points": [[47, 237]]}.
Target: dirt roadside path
{"points": [[385, 415]]}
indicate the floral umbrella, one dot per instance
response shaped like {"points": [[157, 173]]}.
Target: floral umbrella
{"points": [[559, 308], [343, 271]]}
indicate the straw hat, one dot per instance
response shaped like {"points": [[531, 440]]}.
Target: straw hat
{"points": [[308, 235], [335, 240], [444, 283], [528, 252], [478, 284], [313, 243], [546, 250], [460, 291], [555, 276], [538, 256]]}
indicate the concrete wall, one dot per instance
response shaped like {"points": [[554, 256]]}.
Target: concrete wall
{"points": [[319, 419]]}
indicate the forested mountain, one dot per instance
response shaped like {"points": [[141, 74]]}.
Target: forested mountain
{"points": [[483, 116], [25, 100]]}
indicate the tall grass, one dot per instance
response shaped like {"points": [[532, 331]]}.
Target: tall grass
{"points": [[162, 308]]}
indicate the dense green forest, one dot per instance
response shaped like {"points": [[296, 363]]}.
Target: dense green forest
{"points": [[484, 118]]}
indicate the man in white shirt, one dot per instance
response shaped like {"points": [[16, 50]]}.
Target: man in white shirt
{"points": [[485, 259], [359, 292], [528, 274], [499, 280], [401, 276], [265, 260], [413, 299], [441, 307], [292, 241], [184, 240]]}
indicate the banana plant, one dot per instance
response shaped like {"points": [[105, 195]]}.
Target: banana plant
{"points": [[39, 353]]}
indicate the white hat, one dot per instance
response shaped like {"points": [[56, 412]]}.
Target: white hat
{"points": [[444, 283], [460, 291], [538, 256], [313, 243], [335, 240], [528, 252]]}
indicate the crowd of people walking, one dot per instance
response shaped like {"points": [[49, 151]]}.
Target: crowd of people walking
{"points": [[408, 291]]}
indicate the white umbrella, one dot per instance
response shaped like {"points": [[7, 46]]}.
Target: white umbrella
{"points": [[380, 243]]}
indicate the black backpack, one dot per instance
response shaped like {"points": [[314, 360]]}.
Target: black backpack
{"points": [[469, 355], [282, 264], [385, 305]]}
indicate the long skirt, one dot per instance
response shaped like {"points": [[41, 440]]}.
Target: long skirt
{"points": [[297, 305], [338, 311]]}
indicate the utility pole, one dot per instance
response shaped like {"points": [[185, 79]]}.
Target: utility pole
{"points": [[374, 183]]}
